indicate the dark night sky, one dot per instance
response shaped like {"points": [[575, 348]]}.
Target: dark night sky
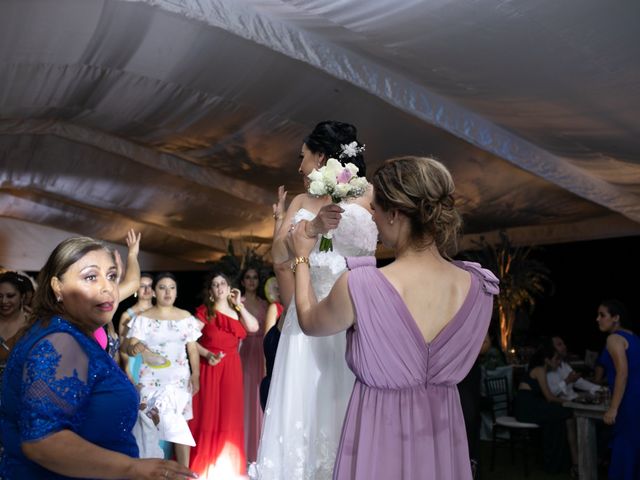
{"points": [[585, 273]]}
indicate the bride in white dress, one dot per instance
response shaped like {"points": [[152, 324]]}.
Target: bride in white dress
{"points": [[311, 382]]}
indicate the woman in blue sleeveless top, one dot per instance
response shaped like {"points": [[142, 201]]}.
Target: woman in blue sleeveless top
{"points": [[621, 361]]}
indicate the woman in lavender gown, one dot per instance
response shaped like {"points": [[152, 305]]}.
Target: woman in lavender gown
{"points": [[414, 329]]}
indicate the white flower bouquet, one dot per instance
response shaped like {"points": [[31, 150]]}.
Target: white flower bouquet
{"points": [[338, 181]]}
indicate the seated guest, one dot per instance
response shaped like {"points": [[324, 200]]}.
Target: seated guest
{"points": [[535, 403], [67, 409], [492, 356], [564, 381]]}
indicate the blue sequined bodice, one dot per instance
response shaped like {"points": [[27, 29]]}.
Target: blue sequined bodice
{"points": [[57, 379]]}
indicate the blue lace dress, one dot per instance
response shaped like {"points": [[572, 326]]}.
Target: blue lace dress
{"points": [[57, 379]]}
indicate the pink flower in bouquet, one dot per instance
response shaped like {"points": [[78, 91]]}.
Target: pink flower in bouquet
{"points": [[344, 176]]}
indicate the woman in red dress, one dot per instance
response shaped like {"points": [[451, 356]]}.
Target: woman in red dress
{"points": [[218, 417]]}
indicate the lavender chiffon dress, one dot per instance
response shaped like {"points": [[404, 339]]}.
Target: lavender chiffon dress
{"points": [[404, 419]]}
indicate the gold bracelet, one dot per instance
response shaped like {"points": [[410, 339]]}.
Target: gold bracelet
{"points": [[297, 261], [238, 307]]}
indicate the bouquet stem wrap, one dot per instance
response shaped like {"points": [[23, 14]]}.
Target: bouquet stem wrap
{"points": [[326, 241]]}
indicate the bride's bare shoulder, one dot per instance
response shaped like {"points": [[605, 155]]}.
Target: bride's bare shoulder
{"points": [[309, 202], [366, 199], [302, 200]]}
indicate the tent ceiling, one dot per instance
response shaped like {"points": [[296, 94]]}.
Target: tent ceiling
{"points": [[181, 117]]}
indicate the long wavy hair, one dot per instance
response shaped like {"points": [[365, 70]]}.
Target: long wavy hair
{"points": [[209, 303]]}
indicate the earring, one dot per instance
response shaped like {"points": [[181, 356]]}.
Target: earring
{"points": [[135, 294], [390, 222], [58, 299], [211, 299]]}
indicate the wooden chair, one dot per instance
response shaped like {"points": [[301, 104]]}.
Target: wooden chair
{"points": [[518, 432]]}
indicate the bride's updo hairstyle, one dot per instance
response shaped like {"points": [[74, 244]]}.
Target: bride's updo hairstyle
{"points": [[422, 189], [328, 137]]}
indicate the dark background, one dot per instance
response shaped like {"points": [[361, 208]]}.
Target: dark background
{"points": [[583, 273], [190, 288]]}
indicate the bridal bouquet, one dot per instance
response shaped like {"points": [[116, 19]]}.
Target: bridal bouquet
{"points": [[339, 181]]}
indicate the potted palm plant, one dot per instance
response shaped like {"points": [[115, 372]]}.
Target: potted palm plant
{"points": [[523, 279]]}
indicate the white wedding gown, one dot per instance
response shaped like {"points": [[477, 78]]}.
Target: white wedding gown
{"points": [[311, 383]]}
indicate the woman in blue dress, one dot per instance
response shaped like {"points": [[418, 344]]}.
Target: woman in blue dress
{"points": [[67, 408], [621, 361]]}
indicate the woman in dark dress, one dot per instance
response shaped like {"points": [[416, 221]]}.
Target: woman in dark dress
{"points": [[272, 327], [621, 361], [536, 404]]}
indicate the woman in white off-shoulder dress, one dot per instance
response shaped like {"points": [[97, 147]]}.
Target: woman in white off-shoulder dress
{"points": [[311, 381], [168, 383]]}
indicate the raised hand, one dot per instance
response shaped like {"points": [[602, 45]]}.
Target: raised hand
{"points": [[235, 297], [279, 207], [131, 280], [133, 242]]}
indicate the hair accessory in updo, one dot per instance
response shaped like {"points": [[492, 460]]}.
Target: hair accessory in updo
{"points": [[350, 150], [337, 140]]}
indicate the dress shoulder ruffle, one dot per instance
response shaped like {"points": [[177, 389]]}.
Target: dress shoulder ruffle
{"points": [[223, 322], [490, 283], [358, 262]]}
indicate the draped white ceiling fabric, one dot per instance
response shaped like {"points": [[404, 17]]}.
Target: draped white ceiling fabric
{"points": [[181, 117]]}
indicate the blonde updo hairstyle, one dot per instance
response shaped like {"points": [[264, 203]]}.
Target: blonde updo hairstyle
{"points": [[421, 188]]}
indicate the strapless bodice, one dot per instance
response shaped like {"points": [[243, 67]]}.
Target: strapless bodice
{"points": [[355, 236]]}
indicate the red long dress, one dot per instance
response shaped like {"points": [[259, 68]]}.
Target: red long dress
{"points": [[218, 416]]}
